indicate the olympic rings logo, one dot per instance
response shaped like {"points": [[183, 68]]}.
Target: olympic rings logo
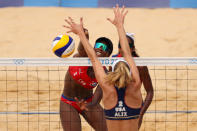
{"points": [[19, 61]]}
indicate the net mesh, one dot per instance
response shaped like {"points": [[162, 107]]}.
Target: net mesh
{"points": [[30, 94]]}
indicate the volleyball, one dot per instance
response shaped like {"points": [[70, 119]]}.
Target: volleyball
{"points": [[63, 46]]}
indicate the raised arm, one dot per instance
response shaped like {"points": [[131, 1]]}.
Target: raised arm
{"points": [[119, 24], [97, 66], [81, 50]]}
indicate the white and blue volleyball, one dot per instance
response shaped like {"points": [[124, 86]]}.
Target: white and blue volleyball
{"points": [[63, 46]]}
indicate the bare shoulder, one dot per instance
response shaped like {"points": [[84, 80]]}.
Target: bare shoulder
{"points": [[109, 91], [106, 87]]}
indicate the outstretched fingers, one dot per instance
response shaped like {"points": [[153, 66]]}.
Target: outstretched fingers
{"points": [[114, 10], [68, 22], [123, 9], [118, 11], [71, 20], [119, 15], [117, 8], [65, 26], [72, 26], [68, 27], [110, 20], [125, 14]]}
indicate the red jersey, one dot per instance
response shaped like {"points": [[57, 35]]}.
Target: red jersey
{"points": [[117, 55], [79, 74]]}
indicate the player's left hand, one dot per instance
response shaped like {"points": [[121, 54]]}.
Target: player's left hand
{"points": [[74, 27], [82, 104]]}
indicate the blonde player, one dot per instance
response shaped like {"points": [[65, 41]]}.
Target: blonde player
{"points": [[144, 76]]}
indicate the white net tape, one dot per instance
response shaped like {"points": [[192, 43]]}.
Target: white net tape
{"points": [[142, 61]]}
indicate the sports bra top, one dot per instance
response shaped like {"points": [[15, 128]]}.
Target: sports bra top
{"points": [[79, 74], [121, 111]]}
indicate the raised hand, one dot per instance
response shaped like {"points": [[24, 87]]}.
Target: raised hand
{"points": [[74, 27], [119, 16]]}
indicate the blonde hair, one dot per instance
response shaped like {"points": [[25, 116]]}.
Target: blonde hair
{"points": [[121, 75]]}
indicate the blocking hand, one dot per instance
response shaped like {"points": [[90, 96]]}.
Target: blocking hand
{"points": [[119, 16], [74, 27]]}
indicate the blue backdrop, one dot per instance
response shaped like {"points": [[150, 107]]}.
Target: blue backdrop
{"points": [[41, 3], [79, 3], [103, 3], [5, 3], [135, 3], [183, 3]]}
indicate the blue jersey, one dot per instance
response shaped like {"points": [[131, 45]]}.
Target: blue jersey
{"points": [[121, 111]]}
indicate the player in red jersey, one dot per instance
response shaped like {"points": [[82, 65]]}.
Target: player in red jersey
{"points": [[79, 83]]}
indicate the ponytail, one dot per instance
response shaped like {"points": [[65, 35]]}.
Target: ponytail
{"points": [[121, 75]]}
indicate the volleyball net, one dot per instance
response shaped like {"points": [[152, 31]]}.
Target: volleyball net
{"points": [[30, 91]]}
